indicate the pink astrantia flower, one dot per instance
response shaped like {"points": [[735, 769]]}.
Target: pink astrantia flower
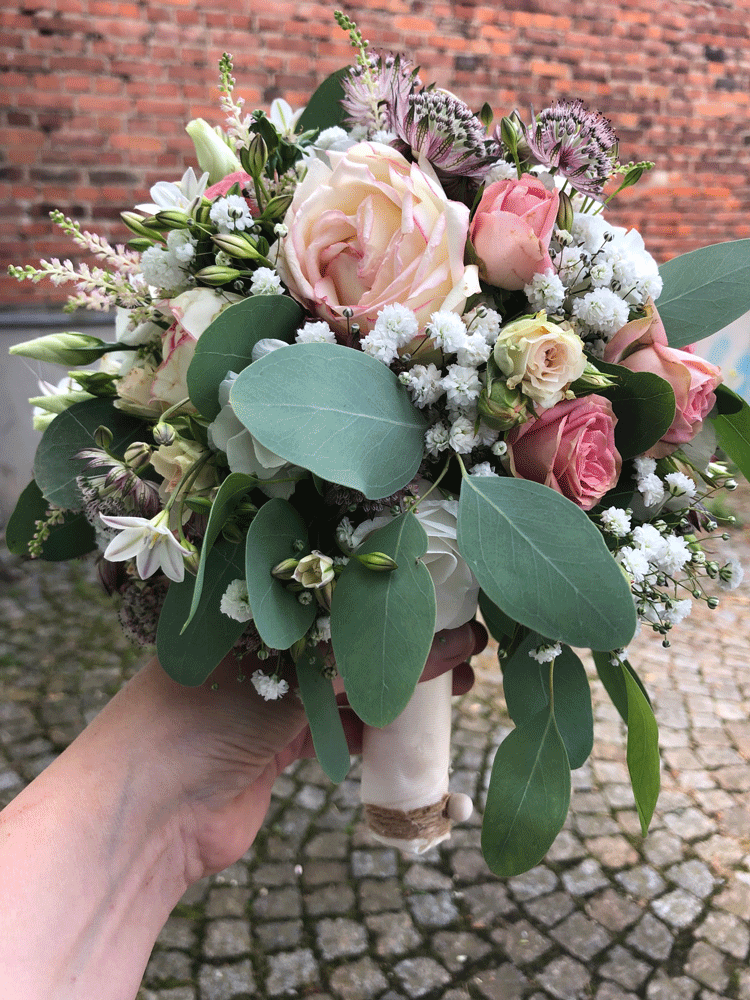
{"points": [[150, 543]]}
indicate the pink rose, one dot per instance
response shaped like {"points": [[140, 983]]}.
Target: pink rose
{"points": [[373, 231], [511, 230], [570, 448], [641, 346], [220, 188]]}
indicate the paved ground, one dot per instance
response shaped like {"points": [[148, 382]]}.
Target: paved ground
{"points": [[319, 911]]}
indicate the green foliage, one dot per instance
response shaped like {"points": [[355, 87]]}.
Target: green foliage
{"points": [[528, 796], [517, 536], [226, 345], [644, 405], [382, 624], [56, 465], [643, 751], [72, 538], [324, 110], [271, 538], [732, 426], [322, 713], [704, 291], [337, 412], [189, 656]]}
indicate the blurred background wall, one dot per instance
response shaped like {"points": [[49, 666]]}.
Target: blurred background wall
{"points": [[96, 94]]}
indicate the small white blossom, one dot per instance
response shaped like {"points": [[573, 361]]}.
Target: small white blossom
{"points": [[652, 489], [634, 563], [601, 273], [345, 534], [501, 171], [546, 652], [315, 332], [462, 437], [680, 485], [617, 657], [321, 630], [644, 466], [436, 439], [266, 282], [482, 469], [462, 385], [424, 383], [269, 688], [396, 324], [474, 352], [234, 602], [305, 597], [602, 311], [731, 574], [545, 292], [486, 436], [499, 448], [231, 213], [150, 543], [648, 540], [449, 331], [484, 321], [678, 611], [181, 245], [161, 269], [616, 521], [675, 556]]}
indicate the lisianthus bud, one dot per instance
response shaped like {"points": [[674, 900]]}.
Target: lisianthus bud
{"points": [[236, 245], [285, 570], [257, 155], [216, 275], [199, 505], [140, 243], [135, 224], [172, 218], [378, 562], [509, 134], [62, 349], [214, 155], [314, 571], [502, 408]]}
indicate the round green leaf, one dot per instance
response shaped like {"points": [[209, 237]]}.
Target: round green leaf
{"points": [[704, 291], [55, 463], [540, 559], [279, 617], [335, 411], [324, 109], [527, 798], [733, 433], [382, 624], [227, 344]]}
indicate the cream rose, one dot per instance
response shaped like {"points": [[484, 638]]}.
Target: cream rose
{"points": [[172, 461], [456, 587], [373, 230], [540, 357]]}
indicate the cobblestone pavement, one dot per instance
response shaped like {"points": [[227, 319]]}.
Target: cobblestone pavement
{"points": [[317, 910]]}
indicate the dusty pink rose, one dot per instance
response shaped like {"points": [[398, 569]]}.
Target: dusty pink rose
{"points": [[571, 448], [511, 230], [374, 230], [641, 346], [220, 188]]}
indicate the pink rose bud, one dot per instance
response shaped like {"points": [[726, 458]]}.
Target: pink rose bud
{"points": [[511, 231], [570, 448], [642, 346]]}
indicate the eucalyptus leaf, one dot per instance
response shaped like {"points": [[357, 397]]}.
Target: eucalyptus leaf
{"points": [[72, 538], [232, 490], [540, 559], [733, 434], [499, 625], [190, 656], [642, 752], [526, 685], [324, 109], [323, 716], [335, 411], [612, 677], [227, 344], [527, 798], [644, 405], [279, 617], [382, 624], [55, 464], [704, 291], [728, 401]]}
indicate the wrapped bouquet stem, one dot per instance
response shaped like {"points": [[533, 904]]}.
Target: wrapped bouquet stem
{"points": [[376, 362]]}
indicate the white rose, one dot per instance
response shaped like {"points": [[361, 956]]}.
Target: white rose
{"points": [[456, 588], [245, 453], [540, 357]]}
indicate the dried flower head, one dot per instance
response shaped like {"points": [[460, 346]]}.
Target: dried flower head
{"points": [[579, 143], [437, 125]]}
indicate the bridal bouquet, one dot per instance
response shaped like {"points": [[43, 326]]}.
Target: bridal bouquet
{"points": [[379, 363]]}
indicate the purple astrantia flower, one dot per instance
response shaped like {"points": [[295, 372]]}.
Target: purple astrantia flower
{"points": [[444, 130], [375, 94], [150, 543], [578, 143]]}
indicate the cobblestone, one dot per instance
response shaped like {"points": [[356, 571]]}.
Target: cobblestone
{"points": [[317, 909]]}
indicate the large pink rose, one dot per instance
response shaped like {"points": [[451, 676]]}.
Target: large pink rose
{"points": [[641, 346], [571, 448], [511, 230], [375, 230]]}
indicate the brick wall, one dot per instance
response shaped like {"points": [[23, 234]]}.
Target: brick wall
{"points": [[96, 94]]}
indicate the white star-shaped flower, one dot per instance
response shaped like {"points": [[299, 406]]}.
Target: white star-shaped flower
{"points": [[149, 542]]}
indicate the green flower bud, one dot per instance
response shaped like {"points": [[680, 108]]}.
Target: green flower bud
{"points": [[509, 133], [592, 378], [199, 505], [164, 433], [297, 648], [712, 603], [135, 224], [138, 455], [214, 154], [232, 533], [257, 155], [378, 562], [215, 275], [191, 561], [59, 402], [277, 207], [502, 408], [285, 569], [140, 243], [103, 437], [173, 218], [565, 212], [236, 245], [63, 349]]}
